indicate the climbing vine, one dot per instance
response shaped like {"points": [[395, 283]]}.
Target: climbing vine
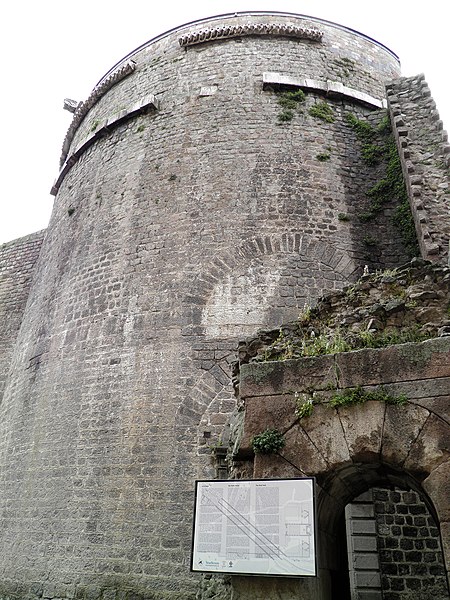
{"points": [[323, 111], [377, 145]]}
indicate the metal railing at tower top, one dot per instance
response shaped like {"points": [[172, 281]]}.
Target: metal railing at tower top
{"points": [[240, 14]]}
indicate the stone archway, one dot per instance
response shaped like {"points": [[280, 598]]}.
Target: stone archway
{"points": [[265, 280], [352, 448], [230, 299]]}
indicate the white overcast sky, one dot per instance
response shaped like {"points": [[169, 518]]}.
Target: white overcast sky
{"points": [[55, 49]]}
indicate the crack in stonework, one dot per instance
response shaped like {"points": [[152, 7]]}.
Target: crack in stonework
{"points": [[413, 442], [382, 433], [292, 464]]}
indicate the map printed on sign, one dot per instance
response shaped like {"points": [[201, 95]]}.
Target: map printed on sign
{"points": [[255, 527]]}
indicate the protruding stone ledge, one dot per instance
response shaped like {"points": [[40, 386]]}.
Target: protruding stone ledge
{"points": [[334, 88], [103, 128], [270, 392], [231, 31], [368, 366], [84, 107]]}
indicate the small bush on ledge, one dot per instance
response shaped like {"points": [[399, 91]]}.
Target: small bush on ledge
{"points": [[289, 102], [268, 442]]}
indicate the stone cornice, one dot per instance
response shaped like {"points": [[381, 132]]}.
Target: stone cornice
{"points": [[231, 31], [103, 128], [329, 87], [84, 107]]}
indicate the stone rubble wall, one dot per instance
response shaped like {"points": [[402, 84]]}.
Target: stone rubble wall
{"points": [[425, 155], [412, 299], [17, 261]]}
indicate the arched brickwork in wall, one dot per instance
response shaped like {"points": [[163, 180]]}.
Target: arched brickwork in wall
{"points": [[301, 264], [256, 283], [353, 448]]}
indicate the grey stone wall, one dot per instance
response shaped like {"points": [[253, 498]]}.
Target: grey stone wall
{"points": [[425, 155], [411, 561], [174, 233], [342, 55], [17, 260], [394, 547]]}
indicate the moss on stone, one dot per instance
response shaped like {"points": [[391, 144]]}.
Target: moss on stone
{"points": [[323, 111], [380, 310], [378, 145]]}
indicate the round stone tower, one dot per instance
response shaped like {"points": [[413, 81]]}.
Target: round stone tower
{"points": [[209, 187]]}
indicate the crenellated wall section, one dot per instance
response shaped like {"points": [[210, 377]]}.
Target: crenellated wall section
{"points": [[425, 154]]}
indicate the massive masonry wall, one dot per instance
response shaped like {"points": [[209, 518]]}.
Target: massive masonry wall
{"points": [[186, 215], [394, 547], [354, 447], [17, 260]]}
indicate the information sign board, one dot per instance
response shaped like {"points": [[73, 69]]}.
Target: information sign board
{"points": [[255, 527]]}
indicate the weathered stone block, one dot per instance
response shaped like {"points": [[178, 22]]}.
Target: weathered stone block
{"points": [[363, 429], [275, 466], [402, 425], [437, 486], [430, 449], [301, 452], [367, 579], [275, 377], [267, 412], [326, 433], [360, 526], [366, 561], [405, 362], [364, 543], [440, 403], [360, 510]]}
